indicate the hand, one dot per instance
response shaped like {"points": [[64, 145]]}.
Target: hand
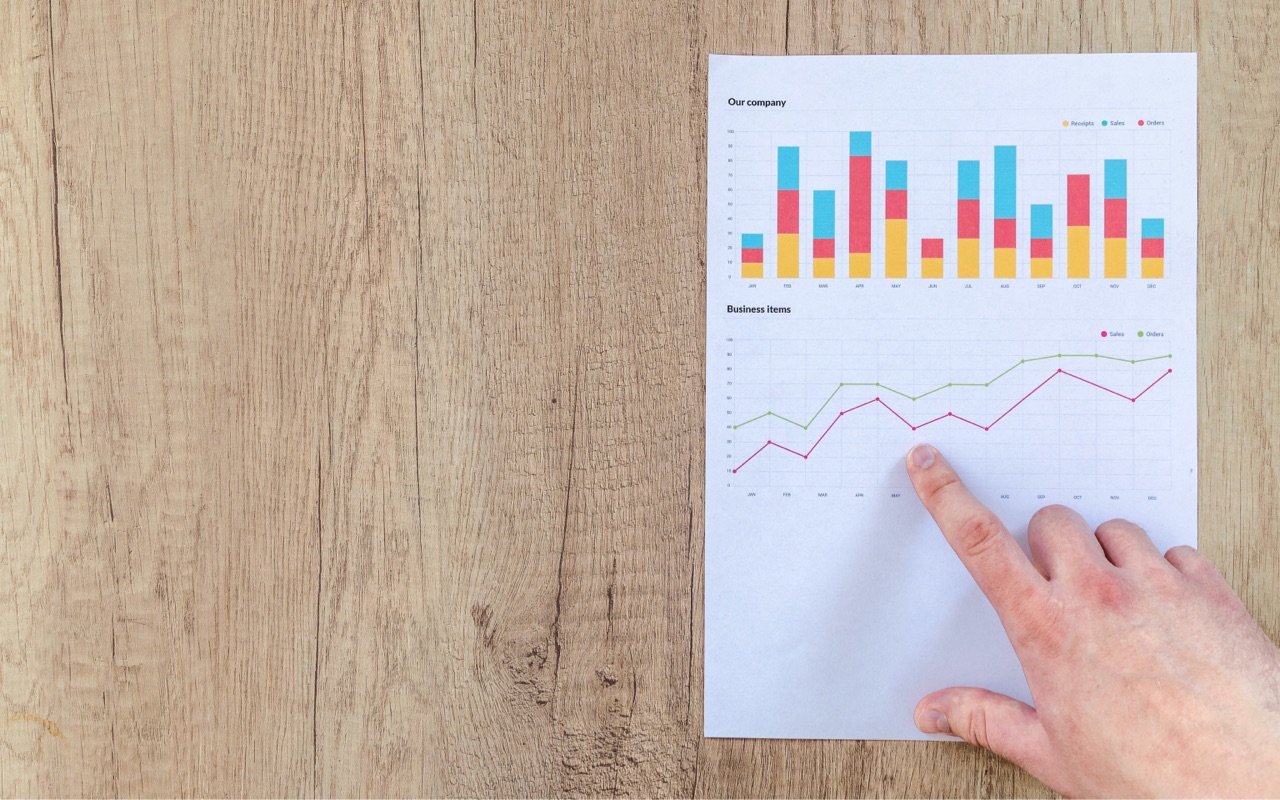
{"points": [[1148, 675]]}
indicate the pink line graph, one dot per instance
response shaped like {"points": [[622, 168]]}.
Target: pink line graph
{"points": [[949, 414]]}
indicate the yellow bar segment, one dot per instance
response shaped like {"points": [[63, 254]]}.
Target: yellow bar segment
{"points": [[1153, 267], [824, 268], [752, 270], [788, 255], [1042, 267], [1078, 251], [931, 268], [895, 248], [859, 265], [1113, 264], [1006, 262], [967, 258]]}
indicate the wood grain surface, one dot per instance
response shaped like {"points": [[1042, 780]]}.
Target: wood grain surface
{"points": [[351, 386]]}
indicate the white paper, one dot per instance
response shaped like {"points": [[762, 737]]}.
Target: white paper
{"points": [[833, 604]]}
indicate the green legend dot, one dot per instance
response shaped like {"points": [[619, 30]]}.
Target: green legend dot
{"points": [[1139, 334]]}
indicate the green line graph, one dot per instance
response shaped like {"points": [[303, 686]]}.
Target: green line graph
{"points": [[1021, 362]]}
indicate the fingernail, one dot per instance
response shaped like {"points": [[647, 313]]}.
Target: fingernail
{"points": [[921, 456], [932, 721]]}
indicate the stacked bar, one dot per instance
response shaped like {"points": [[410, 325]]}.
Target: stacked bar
{"points": [[753, 255], [788, 212], [1077, 226], [967, 220], [860, 204], [895, 219], [1006, 211], [931, 258], [1041, 241], [1115, 214], [1153, 248], [824, 234]]}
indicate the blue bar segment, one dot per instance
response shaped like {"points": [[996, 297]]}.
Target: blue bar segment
{"points": [[1153, 229], [1115, 183], [1006, 205], [967, 187], [750, 240], [1041, 222], [788, 168], [860, 143], [895, 175], [824, 215]]}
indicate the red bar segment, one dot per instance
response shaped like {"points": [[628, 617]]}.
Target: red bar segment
{"points": [[967, 225], [1042, 248], [788, 211], [1006, 233], [895, 204], [931, 248], [859, 204], [1077, 200], [1153, 248], [1115, 216], [824, 248], [752, 255]]}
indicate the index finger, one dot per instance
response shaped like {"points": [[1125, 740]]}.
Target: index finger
{"points": [[984, 545]]}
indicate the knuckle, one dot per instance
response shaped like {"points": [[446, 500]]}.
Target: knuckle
{"points": [[1191, 563], [1052, 510], [1112, 526], [936, 485], [979, 534], [1107, 589], [1197, 568], [978, 729], [1118, 526], [1051, 514]]}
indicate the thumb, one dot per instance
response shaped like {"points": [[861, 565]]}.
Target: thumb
{"points": [[1007, 727]]}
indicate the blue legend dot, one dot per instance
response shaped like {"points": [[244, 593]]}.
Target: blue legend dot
{"points": [[1104, 123]]}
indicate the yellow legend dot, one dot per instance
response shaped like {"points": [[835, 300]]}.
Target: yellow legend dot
{"points": [[1064, 123]]}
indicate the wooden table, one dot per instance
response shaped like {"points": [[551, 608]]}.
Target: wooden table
{"points": [[352, 380]]}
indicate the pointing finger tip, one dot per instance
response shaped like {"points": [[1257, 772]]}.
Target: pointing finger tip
{"points": [[921, 457]]}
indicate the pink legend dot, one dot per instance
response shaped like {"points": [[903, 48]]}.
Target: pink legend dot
{"points": [[1104, 334], [1139, 123]]}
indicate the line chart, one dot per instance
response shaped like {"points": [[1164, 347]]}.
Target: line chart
{"points": [[950, 385], [949, 414]]}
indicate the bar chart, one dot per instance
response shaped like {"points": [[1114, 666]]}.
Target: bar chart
{"points": [[959, 208]]}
